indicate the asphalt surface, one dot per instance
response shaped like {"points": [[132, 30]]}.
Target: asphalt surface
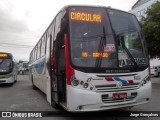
{"points": [[21, 97]]}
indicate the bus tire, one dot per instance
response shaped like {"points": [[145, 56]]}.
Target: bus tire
{"points": [[33, 86], [55, 105], [130, 107], [158, 75], [10, 84]]}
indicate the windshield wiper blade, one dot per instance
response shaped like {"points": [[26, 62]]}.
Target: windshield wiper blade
{"points": [[2, 61], [129, 54], [101, 49]]}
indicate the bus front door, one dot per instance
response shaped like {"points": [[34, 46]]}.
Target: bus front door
{"points": [[58, 74]]}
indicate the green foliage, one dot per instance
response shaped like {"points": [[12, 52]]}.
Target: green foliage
{"points": [[151, 27]]}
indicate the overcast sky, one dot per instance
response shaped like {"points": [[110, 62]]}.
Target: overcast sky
{"points": [[22, 22]]}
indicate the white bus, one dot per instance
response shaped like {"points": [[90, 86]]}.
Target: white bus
{"points": [[91, 59], [8, 69]]}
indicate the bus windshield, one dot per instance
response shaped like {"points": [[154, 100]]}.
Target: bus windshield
{"points": [[105, 38], [5, 65]]}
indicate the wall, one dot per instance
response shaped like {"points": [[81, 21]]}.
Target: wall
{"points": [[140, 10]]}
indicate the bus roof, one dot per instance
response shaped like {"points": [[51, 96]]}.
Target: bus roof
{"points": [[70, 6]]}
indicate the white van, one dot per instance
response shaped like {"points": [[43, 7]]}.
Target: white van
{"points": [[155, 71]]}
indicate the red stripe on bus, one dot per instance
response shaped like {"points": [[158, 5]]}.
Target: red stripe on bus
{"points": [[130, 81], [109, 79], [69, 69]]}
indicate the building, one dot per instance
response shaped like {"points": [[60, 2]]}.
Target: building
{"points": [[23, 67], [140, 7]]}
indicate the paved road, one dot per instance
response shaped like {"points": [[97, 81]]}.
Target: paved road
{"points": [[154, 104], [21, 97]]}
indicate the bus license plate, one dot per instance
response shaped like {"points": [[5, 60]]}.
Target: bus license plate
{"points": [[119, 95]]}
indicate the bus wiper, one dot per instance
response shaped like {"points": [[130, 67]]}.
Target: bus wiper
{"points": [[101, 49], [1, 62], [127, 51]]}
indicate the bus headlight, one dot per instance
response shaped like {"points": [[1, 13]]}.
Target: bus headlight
{"points": [[74, 82], [145, 81], [81, 84], [147, 78], [85, 85]]}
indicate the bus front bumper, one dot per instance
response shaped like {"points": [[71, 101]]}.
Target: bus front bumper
{"points": [[7, 80], [79, 100]]}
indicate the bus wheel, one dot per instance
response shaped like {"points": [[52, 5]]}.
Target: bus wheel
{"points": [[158, 75], [55, 105], [33, 86], [130, 107], [10, 84]]}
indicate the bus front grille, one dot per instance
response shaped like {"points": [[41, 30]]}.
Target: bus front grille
{"points": [[1, 81], [106, 99], [114, 88]]}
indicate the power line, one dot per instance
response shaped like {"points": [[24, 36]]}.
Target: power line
{"points": [[19, 42], [16, 45], [18, 39]]}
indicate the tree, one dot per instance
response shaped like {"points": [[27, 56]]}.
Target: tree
{"points": [[151, 27]]}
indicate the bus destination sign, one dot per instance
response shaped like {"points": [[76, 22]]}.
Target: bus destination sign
{"points": [[89, 17], [3, 55]]}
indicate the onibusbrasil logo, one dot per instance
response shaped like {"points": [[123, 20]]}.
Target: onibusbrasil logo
{"points": [[21, 114]]}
